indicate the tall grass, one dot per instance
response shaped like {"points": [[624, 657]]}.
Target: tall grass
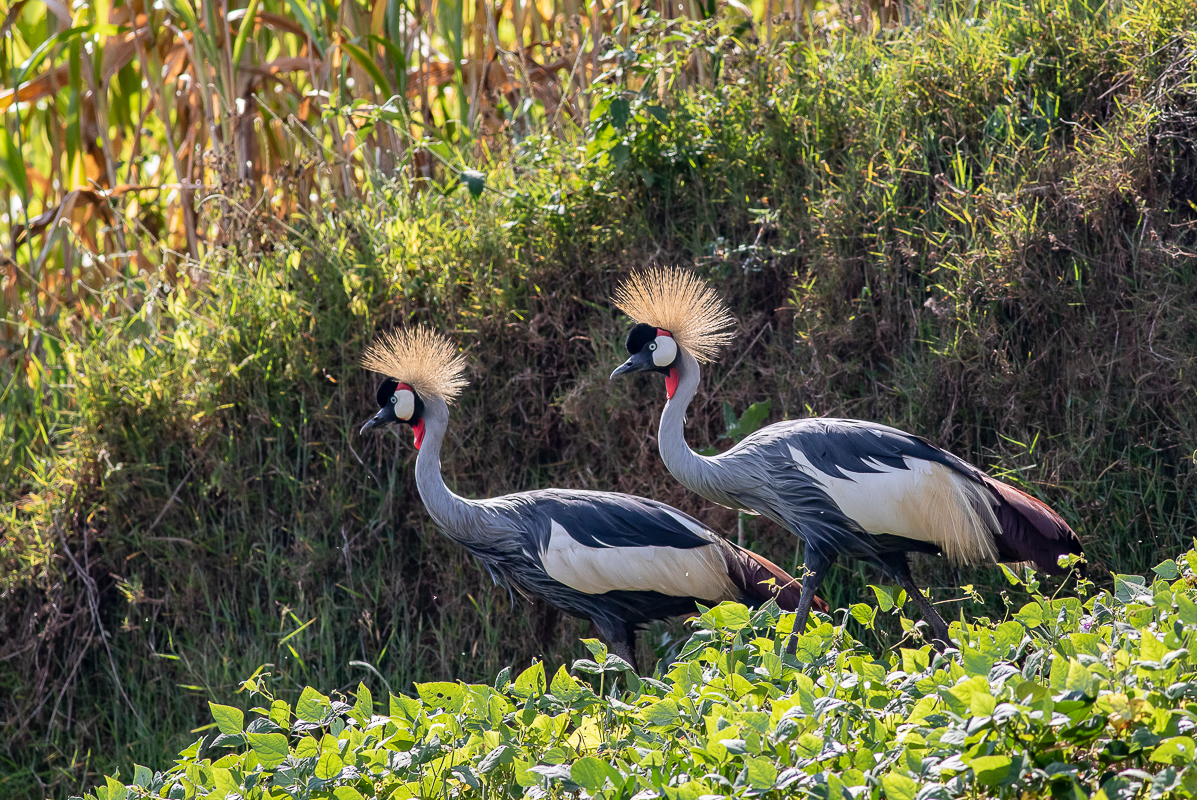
{"points": [[980, 230], [138, 135]]}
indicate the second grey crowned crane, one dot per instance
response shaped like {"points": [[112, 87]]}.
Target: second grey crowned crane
{"points": [[617, 560], [846, 487]]}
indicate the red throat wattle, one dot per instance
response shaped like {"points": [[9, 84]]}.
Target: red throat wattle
{"points": [[671, 381], [418, 429]]}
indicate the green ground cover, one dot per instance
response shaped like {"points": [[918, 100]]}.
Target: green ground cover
{"points": [[1069, 697]]}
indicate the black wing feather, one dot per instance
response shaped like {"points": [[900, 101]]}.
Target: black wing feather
{"points": [[841, 446], [607, 519]]}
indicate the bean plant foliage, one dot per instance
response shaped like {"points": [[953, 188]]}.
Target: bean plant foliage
{"points": [[1072, 696]]}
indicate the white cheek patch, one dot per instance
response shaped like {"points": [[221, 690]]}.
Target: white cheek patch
{"points": [[405, 404], [666, 351]]}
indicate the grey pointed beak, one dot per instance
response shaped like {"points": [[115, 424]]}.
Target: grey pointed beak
{"points": [[375, 421], [637, 363]]}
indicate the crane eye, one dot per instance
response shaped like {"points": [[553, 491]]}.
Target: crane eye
{"points": [[405, 403], [664, 351], [652, 346]]}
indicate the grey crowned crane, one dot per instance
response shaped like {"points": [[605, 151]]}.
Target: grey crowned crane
{"points": [[845, 487], [617, 560]]}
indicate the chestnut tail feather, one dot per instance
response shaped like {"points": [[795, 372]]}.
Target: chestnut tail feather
{"points": [[1031, 531]]}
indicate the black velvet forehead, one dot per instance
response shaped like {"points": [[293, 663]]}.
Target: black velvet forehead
{"points": [[639, 336], [385, 390]]}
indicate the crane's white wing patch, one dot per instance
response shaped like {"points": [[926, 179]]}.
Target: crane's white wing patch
{"points": [[695, 572], [693, 526], [928, 502]]}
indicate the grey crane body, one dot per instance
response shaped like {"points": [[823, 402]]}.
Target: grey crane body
{"points": [[618, 560], [856, 489]]}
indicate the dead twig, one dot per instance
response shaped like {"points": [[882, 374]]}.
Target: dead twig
{"points": [[93, 602]]}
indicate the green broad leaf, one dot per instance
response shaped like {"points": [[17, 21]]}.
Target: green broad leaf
{"points": [[474, 180], [991, 770], [228, 719], [307, 747], [915, 661], [591, 774], [442, 694], [1011, 578], [1167, 570], [142, 776], [1178, 751], [524, 775], [501, 756], [885, 600], [598, 650], [864, 614], [223, 780], [661, 714], [270, 748], [503, 679], [751, 419], [564, 687], [347, 793], [620, 110], [329, 765], [1030, 615], [982, 704], [530, 683], [809, 745], [729, 417], [760, 773], [363, 709], [659, 113], [1130, 588], [404, 707], [975, 662], [1078, 679], [280, 713], [899, 787], [728, 616], [599, 108], [586, 666], [1186, 609], [116, 789], [616, 664], [312, 706]]}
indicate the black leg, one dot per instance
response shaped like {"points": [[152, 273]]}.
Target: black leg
{"points": [[816, 567], [898, 566], [621, 640], [627, 651]]}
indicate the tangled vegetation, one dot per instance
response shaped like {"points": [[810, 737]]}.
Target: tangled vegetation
{"points": [[1067, 697], [981, 230]]}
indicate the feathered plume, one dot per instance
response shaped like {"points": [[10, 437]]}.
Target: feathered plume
{"points": [[678, 301], [422, 358]]}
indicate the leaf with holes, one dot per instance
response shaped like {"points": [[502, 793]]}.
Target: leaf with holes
{"points": [[442, 694]]}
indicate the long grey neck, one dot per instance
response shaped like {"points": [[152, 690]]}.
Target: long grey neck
{"points": [[461, 519], [695, 472]]}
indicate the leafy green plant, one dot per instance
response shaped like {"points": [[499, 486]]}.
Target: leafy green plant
{"points": [[1069, 696]]}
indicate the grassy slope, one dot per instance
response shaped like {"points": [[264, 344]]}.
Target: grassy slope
{"points": [[977, 231]]}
